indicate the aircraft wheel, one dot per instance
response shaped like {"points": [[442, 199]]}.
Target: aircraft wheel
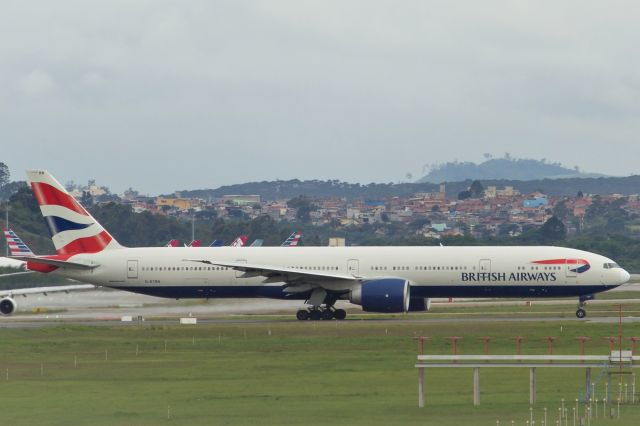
{"points": [[327, 314], [302, 315], [340, 314], [315, 315], [581, 313]]}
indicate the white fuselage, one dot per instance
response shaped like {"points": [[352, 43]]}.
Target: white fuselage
{"points": [[431, 271]]}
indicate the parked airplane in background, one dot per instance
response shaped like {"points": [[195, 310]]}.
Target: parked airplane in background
{"points": [[216, 243], [173, 243], [380, 279], [241, 241], [257, 243], [194, 243], [17, 248], [292, 240]]}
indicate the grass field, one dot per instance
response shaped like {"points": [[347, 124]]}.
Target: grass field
{"points": [[285, 373]]}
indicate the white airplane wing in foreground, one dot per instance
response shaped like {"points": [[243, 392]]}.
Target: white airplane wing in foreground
{"points": [[8, 305], [13, 274], [45, 290]]}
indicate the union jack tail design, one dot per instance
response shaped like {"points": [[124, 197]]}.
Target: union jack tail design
{"points": [[195, 243], [240, 241], [73, 230], [293, 240], [16, 246]]}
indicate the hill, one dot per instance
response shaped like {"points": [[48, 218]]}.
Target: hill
{"points": [[335, 189], [501, 168]]}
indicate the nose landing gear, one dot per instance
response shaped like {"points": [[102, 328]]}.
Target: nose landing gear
{"points": [[582, 303]]}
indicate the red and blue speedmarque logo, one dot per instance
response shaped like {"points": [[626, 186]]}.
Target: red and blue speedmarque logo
{"points": [[576, 265]]}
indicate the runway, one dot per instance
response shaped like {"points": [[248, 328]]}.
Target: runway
{"points": [[107, 307]]}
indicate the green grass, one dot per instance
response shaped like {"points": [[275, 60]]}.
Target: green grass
{"points": [[352, 372]]}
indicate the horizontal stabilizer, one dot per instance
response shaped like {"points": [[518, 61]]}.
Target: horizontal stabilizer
{"points": [[56, 262]]}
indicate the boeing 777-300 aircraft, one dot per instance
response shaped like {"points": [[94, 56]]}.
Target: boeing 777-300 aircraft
{"points": [[380, 279]]}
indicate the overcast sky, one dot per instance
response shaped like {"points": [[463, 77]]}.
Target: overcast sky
{"points": [[162, 95]]}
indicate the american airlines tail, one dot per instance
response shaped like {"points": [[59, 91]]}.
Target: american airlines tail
{"points": [[73, 230], [17, 247]]}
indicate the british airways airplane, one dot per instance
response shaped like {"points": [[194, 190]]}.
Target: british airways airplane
{"points": [[380, 279]]}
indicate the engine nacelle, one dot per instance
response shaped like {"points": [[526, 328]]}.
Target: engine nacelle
{"points": [[382, 295], [7, 306], [419, 304]]}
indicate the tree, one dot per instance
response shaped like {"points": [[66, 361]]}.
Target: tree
{"points": [[560, 209], [463, 195], [4, 175], [553, 230], [476, 189], [87, 199]]}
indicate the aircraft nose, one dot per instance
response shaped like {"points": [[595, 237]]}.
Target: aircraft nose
{"points": [[624, 276]]}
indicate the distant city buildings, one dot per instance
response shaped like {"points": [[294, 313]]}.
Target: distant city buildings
{"points": [[497, 212]]}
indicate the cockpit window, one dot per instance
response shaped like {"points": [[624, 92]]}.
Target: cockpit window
{"points": [[610, 265]]}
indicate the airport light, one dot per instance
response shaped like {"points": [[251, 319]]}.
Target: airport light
{"points": [[454, 341], [518, 340], [582, 340], [550, 340], [612, 341], [420, 339], [634, 341], [487, 340]]}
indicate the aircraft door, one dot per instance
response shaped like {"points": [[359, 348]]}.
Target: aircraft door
{"points": [[352, 266], [484, 265], [571, 267], [132, 269]]}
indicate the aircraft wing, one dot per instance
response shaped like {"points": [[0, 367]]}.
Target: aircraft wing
{"points": [[45, 290], [277, 273], [13, 274]]}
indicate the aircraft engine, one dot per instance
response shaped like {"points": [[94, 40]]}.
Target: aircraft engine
{"points": [[7, 306], [382, 295], [419, 304]]}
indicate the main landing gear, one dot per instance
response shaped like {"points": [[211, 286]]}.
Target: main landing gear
{"points": [[316, 313]]}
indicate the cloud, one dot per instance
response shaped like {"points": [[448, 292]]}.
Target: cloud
{"points": [[356, 90], [35, 84]]}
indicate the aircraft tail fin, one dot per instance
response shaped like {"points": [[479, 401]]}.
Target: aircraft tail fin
{"points": [[241, 241], [16, 246], [293, 240], [73, 230]]}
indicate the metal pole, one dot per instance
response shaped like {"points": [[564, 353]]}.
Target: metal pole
{"points": [[421, 387], [7, 219], [476, 386], [588, 380], [532, 385]]}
